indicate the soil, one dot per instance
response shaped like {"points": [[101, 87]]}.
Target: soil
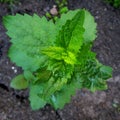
{"points": [[101, 105]]}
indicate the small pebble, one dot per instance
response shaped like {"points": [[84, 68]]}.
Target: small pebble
{"points": [[15, 71], [97, 17], [105, 9], [54, 11], [13, 68]]}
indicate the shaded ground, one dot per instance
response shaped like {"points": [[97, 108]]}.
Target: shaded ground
{"points": [[103, 105]]}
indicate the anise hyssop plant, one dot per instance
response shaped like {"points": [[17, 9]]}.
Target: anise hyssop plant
{"points": [[56, 58]]}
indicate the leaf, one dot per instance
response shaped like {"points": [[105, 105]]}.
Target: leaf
{"points": [[54, 52], [57, 85], [59, 53], [76, 26], [60, 98], [29, 34], [71, 35], [93, 75], [69, 58], [63, 10], [106, 69], [85, 54], [65, 17], [89, 24], [90, 27], [35, 100], [21, 58], [42, 75], [19, 82], [29, 76], [40, 93]]}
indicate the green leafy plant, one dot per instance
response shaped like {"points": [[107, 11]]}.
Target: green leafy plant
{"points": [[56, 58], [115, 3], [61, 7]]}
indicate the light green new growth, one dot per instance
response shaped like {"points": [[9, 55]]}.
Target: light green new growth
{"points": [[56, 58]]}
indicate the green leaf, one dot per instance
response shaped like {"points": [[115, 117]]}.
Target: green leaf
{"points": [[29, 76], [63, 10], [57, 86], [29, 34], [60, 98], [59, 53], [89, 24], [42, 75], [85, 54], [71, 35], [54, 52], [35, 100], [93, 75], [106, 69], [90, 27], [77, 31], [19, 82], [40, 94], [65, 17], [69, 58]]}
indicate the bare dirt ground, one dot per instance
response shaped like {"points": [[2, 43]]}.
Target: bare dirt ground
{"points": [[101, 105]]}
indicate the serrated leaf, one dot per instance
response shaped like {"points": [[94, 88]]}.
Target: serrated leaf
{"points": [[92, 77], [85, 54], [35, 100], [106, 69], [59, 53], [19, 82], [32, 34], [71, 35], [60, 98], [54, 52], [69, 58], [42, 75], [89, 24], [76, 26], [64, 17], [90, 27]]}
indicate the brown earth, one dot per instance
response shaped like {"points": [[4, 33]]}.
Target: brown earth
{"points": [[104, 105]]}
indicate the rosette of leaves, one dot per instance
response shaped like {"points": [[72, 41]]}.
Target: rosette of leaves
{"points": [[56, 58]]}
